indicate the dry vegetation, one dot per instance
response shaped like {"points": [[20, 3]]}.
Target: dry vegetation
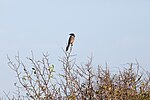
{"points": [[77, 82]]}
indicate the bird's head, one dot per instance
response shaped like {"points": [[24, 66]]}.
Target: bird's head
{"points": [[72, 34]]}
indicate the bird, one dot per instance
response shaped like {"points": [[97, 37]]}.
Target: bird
{"points": [[70, 41]]}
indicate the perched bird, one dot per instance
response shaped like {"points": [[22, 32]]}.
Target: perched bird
{"points": [[70, 41]]}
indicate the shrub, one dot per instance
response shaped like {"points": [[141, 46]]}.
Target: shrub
{"points": [[77, 82]]}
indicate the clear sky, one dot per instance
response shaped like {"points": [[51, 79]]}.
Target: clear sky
{"points": [[114, 31]]}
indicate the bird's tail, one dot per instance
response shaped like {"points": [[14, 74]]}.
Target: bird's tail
{"points": [[67, 47]]}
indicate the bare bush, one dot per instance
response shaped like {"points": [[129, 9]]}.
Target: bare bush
{"points": [[36, 80], [78, 82]]}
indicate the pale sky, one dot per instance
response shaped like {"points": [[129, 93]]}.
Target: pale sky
{"points": [[114, 31]]}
